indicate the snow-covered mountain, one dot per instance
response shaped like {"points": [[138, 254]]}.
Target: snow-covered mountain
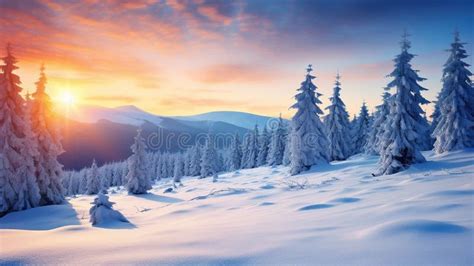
{"points": [[129, 115], [334, 214], [241, 119], [132, 115]]}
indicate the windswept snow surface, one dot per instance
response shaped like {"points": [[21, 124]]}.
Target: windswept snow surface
{"points": [[333, 214]]}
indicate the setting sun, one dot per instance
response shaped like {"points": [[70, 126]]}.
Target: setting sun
{"points": [[67, 98]]}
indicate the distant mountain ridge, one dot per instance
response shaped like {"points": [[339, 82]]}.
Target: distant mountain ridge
{"points": [[132, 115], [105, 134], [242, 119]]}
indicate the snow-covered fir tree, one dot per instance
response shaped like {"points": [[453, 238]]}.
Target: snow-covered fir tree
{"points": [[93, 180], [235, 154], [138, 181], [18, 186], [102, 212], [337, 126], [31, 149], [195, 163], [455, 128], [162, 168], [404, 126], [186, 162], [287, 152], [209, 158], [250, 149], [361, 130], [373, 146], [178, 169], [309, 144], [436, 114], [263, 143], [48, 169], [277, 144]]}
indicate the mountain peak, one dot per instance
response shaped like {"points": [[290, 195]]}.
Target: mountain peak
{"points": [[129, 108]]}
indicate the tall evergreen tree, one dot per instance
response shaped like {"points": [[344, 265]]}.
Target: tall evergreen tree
{"points": [[209, 159], [287, 153], [455, 129], [186, 162], [263, 143], [277, 144], [404, 126], [178, 169], [48, 169], [361, 130], [93, 181], [138, 181], [372, 146], [337, 125], [235, 154], [436, 113], [195, 164], [309, 144], [250, 149], [18, 186]]}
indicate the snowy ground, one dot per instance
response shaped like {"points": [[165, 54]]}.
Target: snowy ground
{"points": [[335, 214]]}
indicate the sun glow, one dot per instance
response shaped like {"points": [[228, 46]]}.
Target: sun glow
{"points": [[67, 98]]}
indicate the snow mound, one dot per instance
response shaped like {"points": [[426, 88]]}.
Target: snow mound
{"points": [[102, 214]]}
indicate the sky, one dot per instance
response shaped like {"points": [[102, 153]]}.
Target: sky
{"points": [[173, 57]]}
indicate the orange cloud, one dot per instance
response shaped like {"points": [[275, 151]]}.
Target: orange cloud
{"points": [[116, 98], [224, 73], [213, 14]]}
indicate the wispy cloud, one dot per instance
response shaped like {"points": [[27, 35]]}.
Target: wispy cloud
{"points": [[224, 73], [107, 98]]}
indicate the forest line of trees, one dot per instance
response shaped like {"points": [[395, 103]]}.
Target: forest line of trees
{"points": [[30, 174]]}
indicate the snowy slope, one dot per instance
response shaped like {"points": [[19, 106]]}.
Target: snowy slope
{"points": [[334, 214]]}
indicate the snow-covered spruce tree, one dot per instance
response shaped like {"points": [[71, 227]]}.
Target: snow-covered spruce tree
{"points": [[455, 128], [309, 144], [404, 126], [93, 181], [186, 162], [263, 143], [372, 147], [138, 181], [287, 152], [436, 114], [48, 169], [178, 169], [101, 211], [220, 161], [209, 158], [162, 167], [18, 186], [337, 126], [195, 164], [250, 149], [235, 154], [83, 177], [361, 130], [277, 144]]}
